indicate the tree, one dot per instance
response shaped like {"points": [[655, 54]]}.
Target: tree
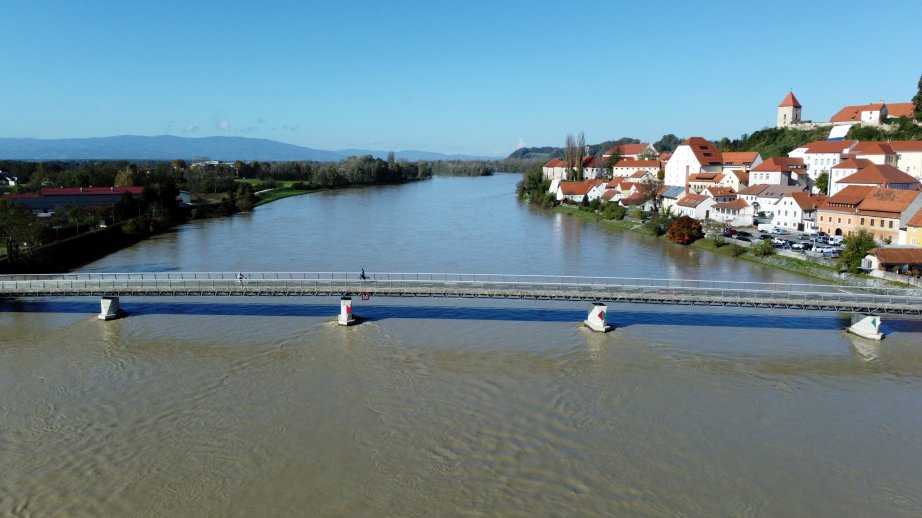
{"points": [[822, 183], [125, 178], [574, 150], [17, 228], [668, 143], [854, 248], [684, 230], [763, 248], [917, 102]]}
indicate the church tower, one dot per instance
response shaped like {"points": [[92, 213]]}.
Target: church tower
{"points": [[788, 111]]}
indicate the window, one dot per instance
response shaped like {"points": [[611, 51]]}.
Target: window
{"points": [[872, 222], [862, 221], [891, 223], [839, 220]]}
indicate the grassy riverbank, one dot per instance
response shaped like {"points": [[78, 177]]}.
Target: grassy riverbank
{"points": [[280, 193], [791, 264]]}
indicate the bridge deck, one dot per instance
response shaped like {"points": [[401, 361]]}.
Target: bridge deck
{"points": [[602, 289]]}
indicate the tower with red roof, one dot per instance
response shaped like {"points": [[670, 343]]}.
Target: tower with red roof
{"points": [[789, 111]]}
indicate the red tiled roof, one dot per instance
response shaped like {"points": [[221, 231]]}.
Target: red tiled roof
{"points": [[754, 190], [779, 163], [637, 198], [692, 200], [720, 191], [897, 255], [807, 202], [872, 148], [577, 188], [704, 151], [704, 177], [902, 146], [790, 100], [880, 175], [850, 195], [900, 109], [853, 163], [740, 157], [743, 176], [738, 204], [640, 173], [555, 162], [853, 113], [829, 146], [664, 157], [888, 200], [19, 196]]}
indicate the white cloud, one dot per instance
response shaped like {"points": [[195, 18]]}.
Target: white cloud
{"points": [[224, 125], [190, 128], [521, 143]]}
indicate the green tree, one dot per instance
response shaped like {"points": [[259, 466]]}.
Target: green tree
{"points": [[684, 230], [822, 182], [854, 248], [917, 102], [763, 248], [17, 229]]}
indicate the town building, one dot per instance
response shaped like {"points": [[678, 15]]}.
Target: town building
{"points": [[696, 206], [843, 169], [913, 233], [736, 213], [780, 171], [908, 156], [576, 192], [554, 169], [695, 155], [837, 215], [820, 156], [883, 176], [902, 259], [628, 166], [883, 212], [880, 153], [744, 160], [797, 211], [631, 151]]}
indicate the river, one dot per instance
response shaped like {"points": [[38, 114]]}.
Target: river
{"points": [[264, 407]]}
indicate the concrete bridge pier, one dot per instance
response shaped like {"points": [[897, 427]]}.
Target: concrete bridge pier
{"points": [[346, 318], [109, 309], [866, 326], [597, 320]]}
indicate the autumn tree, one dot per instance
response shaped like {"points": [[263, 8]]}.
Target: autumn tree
{"points": [[684, 230]]}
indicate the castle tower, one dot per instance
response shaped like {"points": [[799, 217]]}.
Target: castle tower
{"points": [[788, 111]]}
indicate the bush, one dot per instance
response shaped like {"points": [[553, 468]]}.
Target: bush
{"points": [[737, 250], [300, 186], [685, 230], [612, 210], [763, 248]]}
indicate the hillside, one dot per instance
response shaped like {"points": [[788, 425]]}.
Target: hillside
{"points": [[167, 147]]}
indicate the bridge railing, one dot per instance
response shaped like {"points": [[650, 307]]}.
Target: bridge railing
{"points": [[340, 282]]}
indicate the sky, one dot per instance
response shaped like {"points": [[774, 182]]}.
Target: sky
{"points": [[474, 77]]}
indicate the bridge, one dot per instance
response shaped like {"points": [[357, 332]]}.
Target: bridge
{"points": [[599, 290]]}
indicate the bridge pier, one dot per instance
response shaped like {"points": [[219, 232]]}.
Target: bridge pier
{"points": [[866, 326], [346, 318], [597, 320], [109, 309]]}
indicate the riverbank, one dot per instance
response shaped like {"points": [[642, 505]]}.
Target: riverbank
{"points": [[803, 267]]}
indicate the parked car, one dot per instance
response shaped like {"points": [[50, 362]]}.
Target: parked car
{"points": [[798, 246], [765, 237], [730, 231], [743, 233], [743, 238], [777, 230]]}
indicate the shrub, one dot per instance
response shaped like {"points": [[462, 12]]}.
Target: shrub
{"points": [[612, 210], [685, 230], [763, 248], [737, 250]]}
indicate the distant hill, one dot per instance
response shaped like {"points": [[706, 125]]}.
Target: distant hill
{"points": [[548, 152], [166, 147]]}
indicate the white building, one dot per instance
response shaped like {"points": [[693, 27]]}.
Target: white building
{"points": [[822, 155], [696, 206], [628, 166], [695, 155], [797, 211], [908, 156], [880, 153], [632, 151], [736, 213], [554, 169], [788, 111], [844, 169]]}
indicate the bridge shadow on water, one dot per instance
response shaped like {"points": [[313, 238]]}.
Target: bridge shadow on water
{"points": [[618, 316]]}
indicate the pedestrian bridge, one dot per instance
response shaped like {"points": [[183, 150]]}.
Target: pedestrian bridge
{"points": [[530, 287]]}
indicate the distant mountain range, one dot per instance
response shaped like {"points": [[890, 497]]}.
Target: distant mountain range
{"points": [[166, 147]]}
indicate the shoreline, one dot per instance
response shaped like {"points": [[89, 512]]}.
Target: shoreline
{"points": [[798, 266]]}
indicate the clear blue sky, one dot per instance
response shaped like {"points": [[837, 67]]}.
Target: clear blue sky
{"points": [[476, 77]]}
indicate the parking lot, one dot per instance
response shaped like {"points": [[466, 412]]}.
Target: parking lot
{"points": [[813, 245]]}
